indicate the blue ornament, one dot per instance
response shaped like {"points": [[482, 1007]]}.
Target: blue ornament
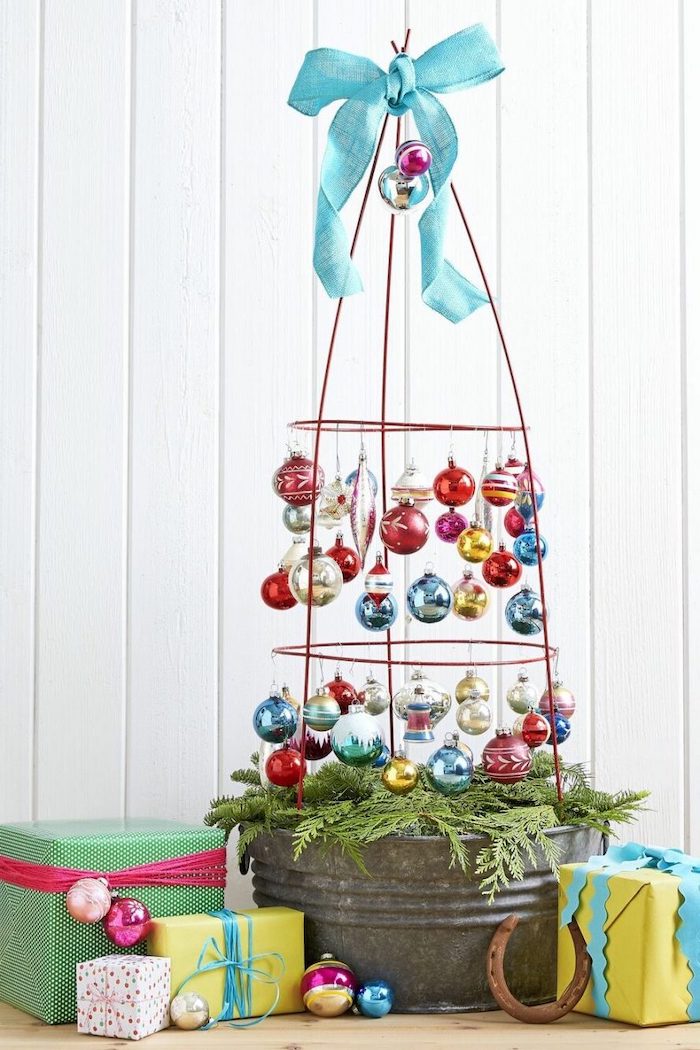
{"points": [[375, 617], [562, 727], [524, 611], [429, 598], [374, 999], [274, 720], [525, 547], [449, 769], [350, 481], [382, 758]]}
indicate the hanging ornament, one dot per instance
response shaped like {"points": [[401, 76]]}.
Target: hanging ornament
{"points": [[328, 987], [450, 526], [264, 752], [382, 758], [473, 715], [285, 768], [286, 695], [297, 519], [321, 711], [524, 611], [402, 192], [275, 592], [562, 726], [356, 737], [472, 681], [293, 481], [342, 691], [501, 569], [413, 483], [274, 720], [475, 543], [506, 758], [429, 598], [189, 1011], [499, 487], [375, 617], [292, 556], [379, 582], [534, 728], [374, 999], [564, 699], [363, 514], [525, 547], [404, 529], [418, 729], [326, 579], [88, 900], [316, 746], [127, 922], [400, 775], [374, 696], [454, 486], [333, 504], [413, 158], [436, 695], [523, 497], [513, 465], [483, 511], [449, 770], [522, 694], [469, 599], [352, 478], [513, 522], [347, 560]]}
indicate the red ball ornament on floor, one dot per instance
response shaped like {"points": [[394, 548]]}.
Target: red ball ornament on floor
{"points": [[275, 591], [404, 529], [293, 481], [454, 486], [127, 922], [347, 559], [502, 569], [506, 758], [284, 768], [514, 522], [342, 691], [535, 729]]}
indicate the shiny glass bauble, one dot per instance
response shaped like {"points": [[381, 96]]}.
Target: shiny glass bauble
{"points": [[293, 481], [562, 726], [473, 716], [374, 696], [382, 758], [506, 758], [274, 720], [297, 520], [285, 768], [450, 526], [189, 1011], [127, 922], [347, 559], [321, 711], [275, 592], [499, 487], [378, 581], [475, 544], [333, 504], [466, 685], [449, 770], [342, 691], [454, 486], [356, 738], [470, 599], [402, 192], [522, 694], [286, 695], [326, 579], [88, 900], [524, 612], [373, 483], [523, 497], [525, 547], [429, 598], [363, 510], [514, 465], [404, 529], [501, 569], [293, 555], [564, 699], [413, 158], [400, 775], [316, 746], [328, 987], [436, 696], [374, 999], [414, 484], [375, 617], [534, 729], [514, 522]]}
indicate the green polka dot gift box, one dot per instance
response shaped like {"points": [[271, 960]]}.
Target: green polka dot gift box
{"points": [[172, 868]]}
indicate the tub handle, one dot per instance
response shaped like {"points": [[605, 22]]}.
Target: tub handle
{"points": [[244, 863]]}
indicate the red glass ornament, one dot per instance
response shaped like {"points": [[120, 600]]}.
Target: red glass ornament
{"points": [[454, 486], [379, 582], [513, 522], [285, 767], [293, 481], [275, 591], [502, 569], [535, 729], [404, 529], [506, 758], [127, 922], [514, 466], [342, 691], [499, 487], [318, 745], [347, 559]]}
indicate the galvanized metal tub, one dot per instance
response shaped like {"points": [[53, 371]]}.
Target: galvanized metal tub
{"points": [[415, 921]]}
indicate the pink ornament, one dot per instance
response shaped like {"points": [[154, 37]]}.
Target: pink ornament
{"points": [[363, 512], [513, 522], [127, 922], [450, 525], [328, 987], [88, 900], [378, 582], [413, 158], [293, 481], [506, 758], [564, 700], [404, 529]]}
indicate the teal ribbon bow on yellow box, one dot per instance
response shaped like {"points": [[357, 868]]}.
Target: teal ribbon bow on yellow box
{"points": [[460, 61]]}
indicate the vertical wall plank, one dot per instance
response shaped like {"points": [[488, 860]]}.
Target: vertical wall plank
{"points": [[635, 429], [544, 305], [80, 591], [19, 145], [173, 577]]}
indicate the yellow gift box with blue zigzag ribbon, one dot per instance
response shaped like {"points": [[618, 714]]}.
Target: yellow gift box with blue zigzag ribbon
{"points": [[638, 908]]}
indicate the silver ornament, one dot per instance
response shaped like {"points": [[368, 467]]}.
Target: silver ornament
{"points": [[436, 695], [522, 695], [363, 512], [374, 696], [297, 519], [188, 1011], [334, 503], [402, 192]]}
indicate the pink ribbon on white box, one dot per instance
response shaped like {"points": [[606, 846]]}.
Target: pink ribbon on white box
{"points": [[104, 1009]]}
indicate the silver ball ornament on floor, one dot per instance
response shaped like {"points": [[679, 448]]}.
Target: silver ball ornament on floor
{"points": [[189, 1011]]}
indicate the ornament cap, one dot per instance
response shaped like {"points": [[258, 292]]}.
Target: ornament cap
{"points": [[504, 731], [406, 501], [473, 694], [523, 676], [356, 708], [327, 955], [417, 673], [502, 545], [450, 461], [451, 740]]}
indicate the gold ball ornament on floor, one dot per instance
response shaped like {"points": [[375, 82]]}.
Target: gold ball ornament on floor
{"points": [[189, 1011], [400, 775]]}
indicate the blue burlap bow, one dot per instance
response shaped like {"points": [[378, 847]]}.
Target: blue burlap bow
{"points": [[632, 857], [467, 58], [241, 971]]}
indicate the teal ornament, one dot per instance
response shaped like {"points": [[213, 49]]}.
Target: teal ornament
{"points": [[374, 999], [459, 62], [429, 598], [375, 617], [356, 738], [350, 481], [525, 547], [382, 758], [274, 720], [562, 727], [402, 192], [524, 611], [449, 769]]}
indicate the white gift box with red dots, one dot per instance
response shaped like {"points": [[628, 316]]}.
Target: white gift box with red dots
{"points": [[123, 996]]}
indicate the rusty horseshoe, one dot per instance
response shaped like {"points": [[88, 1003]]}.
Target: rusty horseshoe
{"points": [[547, 1011]]}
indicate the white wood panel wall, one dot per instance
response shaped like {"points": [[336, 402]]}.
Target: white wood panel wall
{"points": [[161, 324]]}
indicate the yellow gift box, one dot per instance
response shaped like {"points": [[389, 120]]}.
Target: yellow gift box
{"points": [[647, 974], [195, 942]]}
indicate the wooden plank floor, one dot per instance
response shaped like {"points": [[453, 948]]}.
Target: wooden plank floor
{"points": [[397, 1032]]}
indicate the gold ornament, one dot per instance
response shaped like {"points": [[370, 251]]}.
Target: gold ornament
{"points": [[286, 695], [475, 543], [471, 681], [470, 598], [400, 775], [473, 717]]}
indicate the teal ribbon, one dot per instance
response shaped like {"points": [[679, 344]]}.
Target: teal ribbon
{"points": [[240, 971], [632, 857], [460, 61]]}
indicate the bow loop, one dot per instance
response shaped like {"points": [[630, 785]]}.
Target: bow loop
{"points": [[400, 84]]}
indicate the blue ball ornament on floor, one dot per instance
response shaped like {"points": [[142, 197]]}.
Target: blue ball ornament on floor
{"points": [[274, 720], [374, 999], [525, 547], [429, 598], [562, 727], [524, 612], [375, 617]]}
